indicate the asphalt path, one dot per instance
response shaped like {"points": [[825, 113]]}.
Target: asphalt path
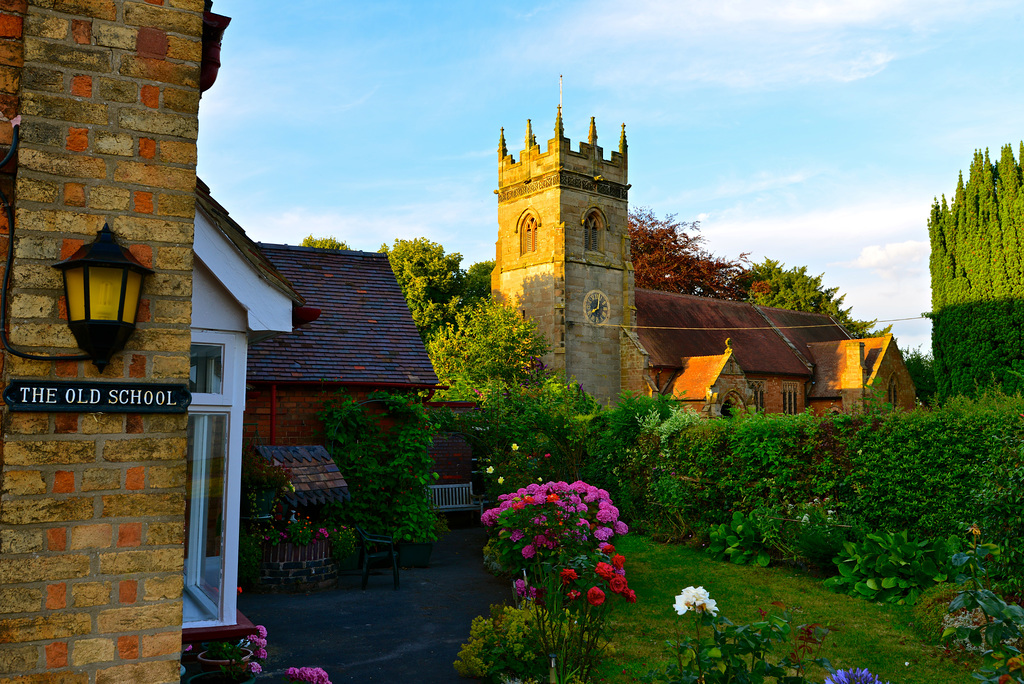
{"points": [[382, 635]]}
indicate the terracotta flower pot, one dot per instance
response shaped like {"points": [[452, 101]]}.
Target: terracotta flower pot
{"points": [[214, 665]]}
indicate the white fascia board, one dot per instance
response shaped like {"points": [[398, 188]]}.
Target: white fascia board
{"points": [[268, 309]]}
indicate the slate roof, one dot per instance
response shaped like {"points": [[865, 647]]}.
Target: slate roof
{"points": [[364, 335], [675, 326], [314, 474]]}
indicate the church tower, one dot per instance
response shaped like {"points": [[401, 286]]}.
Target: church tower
{"points": [[563, 253]]}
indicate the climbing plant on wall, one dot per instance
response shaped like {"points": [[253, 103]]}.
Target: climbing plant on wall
{"points": [[977, 279]]}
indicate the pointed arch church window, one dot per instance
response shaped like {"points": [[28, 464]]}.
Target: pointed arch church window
{"points": [[592, 231], [893, 391], [528, 235]]}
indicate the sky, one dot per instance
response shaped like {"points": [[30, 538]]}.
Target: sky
{"points": [[813, 132]]}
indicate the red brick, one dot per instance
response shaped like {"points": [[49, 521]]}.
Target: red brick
{"points": [[144, 202], [56, 538], [12, 53], [74, 194], [137, 369], [62, 307], [82, 31], [136, 478], [142, 315], [57, 654], [150, 96], [128, 646], [69, 247], [134, 424], [147, 148], [151, 43], [129, 534], [10, 26], [81, 86], [67, 369], [66, 423], [128, 591], [144, 253], [78, 139], [155, 2], [64, 480], [56, 596]]}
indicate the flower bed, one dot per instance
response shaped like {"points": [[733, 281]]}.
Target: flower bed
{"points": [[293, 567]]}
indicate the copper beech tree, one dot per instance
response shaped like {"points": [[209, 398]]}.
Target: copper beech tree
{"points": [[669, 255]]}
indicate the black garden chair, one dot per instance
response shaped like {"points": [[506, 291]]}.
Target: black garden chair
{"points": [[378, 550]]}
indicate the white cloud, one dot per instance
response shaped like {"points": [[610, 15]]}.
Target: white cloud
{"points": [[893, 258]]}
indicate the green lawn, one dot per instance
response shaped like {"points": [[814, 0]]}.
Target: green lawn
{"points": [[876, 636]]}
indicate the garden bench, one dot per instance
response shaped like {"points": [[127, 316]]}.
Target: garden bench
{"points": [[456, 497]]}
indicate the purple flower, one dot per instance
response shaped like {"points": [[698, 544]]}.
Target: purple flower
{"points": [[621, 528], [603, 533], [529, 551], [605, 516], [261, 653], [516, 535], [860, 676], [255, 667]]}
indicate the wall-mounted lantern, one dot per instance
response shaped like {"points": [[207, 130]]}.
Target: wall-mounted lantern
{"points": [[102, 283]]}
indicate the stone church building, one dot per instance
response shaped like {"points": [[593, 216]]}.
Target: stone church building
{"points": [[563, 255]]}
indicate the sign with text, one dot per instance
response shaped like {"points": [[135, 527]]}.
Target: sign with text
{"points": [[96, 397]]}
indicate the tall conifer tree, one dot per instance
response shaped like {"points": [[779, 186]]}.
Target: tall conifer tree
{"points": [[977, 270]]}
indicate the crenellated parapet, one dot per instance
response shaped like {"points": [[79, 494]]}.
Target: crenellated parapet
{"points": [[560, 166]]}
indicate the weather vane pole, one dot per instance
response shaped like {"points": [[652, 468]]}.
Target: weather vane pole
{"points": [[559, 90]]}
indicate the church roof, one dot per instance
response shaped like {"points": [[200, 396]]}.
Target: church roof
{"points": [[365, 333], [831, 364], [699, 373], [676, 326]]}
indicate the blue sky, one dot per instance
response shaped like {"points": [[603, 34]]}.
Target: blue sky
{"points": [[813, 132]]}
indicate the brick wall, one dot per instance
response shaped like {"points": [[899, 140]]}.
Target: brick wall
{"points": [[92, 505]]}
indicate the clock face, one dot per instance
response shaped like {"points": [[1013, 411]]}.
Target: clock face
{"points": [[595, 306]]}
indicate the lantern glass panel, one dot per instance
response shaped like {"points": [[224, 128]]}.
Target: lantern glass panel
{"points": [[131, 296], [76, 293], [104, 293]]}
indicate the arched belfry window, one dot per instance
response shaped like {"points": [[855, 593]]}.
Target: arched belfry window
{"points": [[592, 231], [528, 235], [892, 393]]}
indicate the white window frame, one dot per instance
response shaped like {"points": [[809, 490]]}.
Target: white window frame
{"points": [[231, 403]]}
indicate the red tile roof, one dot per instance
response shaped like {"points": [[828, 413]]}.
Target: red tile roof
{"points": [[699, 373], [313, 472], [364, 334], [674, 326]]}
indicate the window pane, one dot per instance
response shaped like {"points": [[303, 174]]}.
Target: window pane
{"points": [[206, 371], [204, 511]]}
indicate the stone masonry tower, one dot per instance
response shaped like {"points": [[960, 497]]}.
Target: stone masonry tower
{"points": [[563, 252]]}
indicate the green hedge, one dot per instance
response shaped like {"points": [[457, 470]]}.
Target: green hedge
{"points": [[916, 471]]}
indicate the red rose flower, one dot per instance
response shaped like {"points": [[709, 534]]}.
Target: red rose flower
{"points": [[618, 560], [568, 575], [618, 584], [552, 498], [604, 571], [574, 594], [606, 548], [630, 595], [595, 596]]}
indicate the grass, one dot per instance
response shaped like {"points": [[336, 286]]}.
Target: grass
{"points": [[877, 636]]}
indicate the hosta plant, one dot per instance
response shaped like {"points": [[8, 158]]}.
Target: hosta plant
{"points": [[739, 542], [890, 567]]}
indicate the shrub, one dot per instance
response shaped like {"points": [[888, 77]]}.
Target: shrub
{"points": [[1000, 502], [739, 542], [890, 567], [507, 642], [386, 462]]}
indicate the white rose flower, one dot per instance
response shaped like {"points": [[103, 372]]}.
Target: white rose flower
{"points": [[490, 470]]}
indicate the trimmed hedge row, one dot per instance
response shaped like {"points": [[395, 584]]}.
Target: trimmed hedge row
{"points": [[916, 471]]}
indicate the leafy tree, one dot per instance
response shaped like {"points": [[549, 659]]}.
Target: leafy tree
{"points": [[488, 341], [772, 284], [324, 242], [478, 282], [977, 269], [667, 257], [433, 282], [919, 365]]}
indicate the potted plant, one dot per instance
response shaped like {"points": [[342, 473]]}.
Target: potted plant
{"points": [[225, 662], [344, 550], [262, 481], [415, 538]]}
